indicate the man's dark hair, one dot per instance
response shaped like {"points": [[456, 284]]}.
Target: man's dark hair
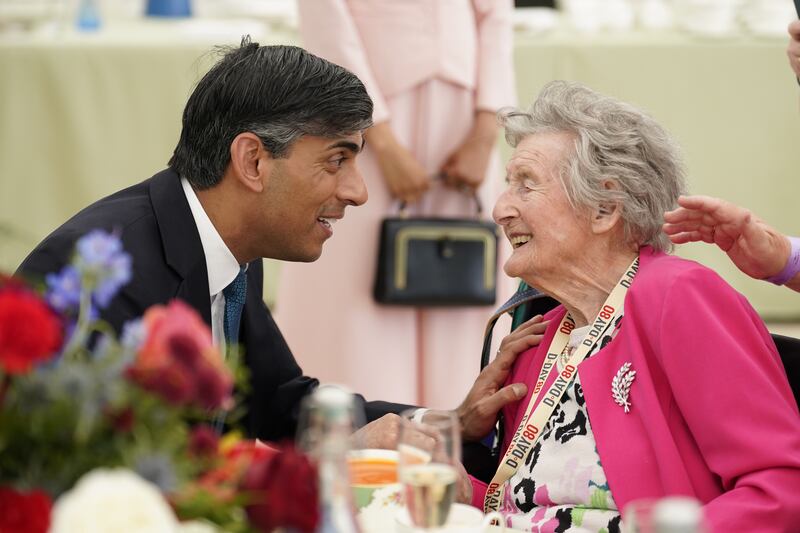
{"points": [[277, 92]]}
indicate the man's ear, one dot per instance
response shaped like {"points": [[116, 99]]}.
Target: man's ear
{"points": [[250, 162], [606, 215]]}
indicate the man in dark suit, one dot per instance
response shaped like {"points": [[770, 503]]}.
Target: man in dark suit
{"points": [[264, 167]]}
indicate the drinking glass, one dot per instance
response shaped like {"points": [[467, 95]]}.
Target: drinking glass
{"points": [[429, 450]]}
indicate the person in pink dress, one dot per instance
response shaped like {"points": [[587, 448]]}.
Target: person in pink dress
{"points": [[654, 377], [437, 73]]}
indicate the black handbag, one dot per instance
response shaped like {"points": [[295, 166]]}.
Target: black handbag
{"points": [[436, 262]]}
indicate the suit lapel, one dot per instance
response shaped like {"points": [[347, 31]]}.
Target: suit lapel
{"points": [[183, 249]]}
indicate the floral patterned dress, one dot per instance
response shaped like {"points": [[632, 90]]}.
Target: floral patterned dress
{"points": [[561, 485]]}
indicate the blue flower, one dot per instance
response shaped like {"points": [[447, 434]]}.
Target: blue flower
{"points": [[133, 335], [97, 248], [118, 274], [104, 264], [64, 289]]}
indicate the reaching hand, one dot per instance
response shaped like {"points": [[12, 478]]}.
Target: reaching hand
{"points": [[406, 179], [755, 248], [384, 433], [478, 412], [467, 166], [793, 49]]}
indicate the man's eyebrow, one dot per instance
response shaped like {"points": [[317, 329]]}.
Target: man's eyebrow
{"points": [[348, 145]]}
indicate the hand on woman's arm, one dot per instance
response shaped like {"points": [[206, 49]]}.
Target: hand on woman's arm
{"points": [[467, 166], [406, 179], [478, 412]]}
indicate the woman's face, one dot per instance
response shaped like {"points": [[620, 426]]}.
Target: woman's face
{"points": [[544, 230]]}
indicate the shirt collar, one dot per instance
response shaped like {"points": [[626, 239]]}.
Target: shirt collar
{"points": [[221, 265]]}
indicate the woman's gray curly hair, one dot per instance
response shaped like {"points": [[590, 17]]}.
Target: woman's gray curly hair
{"points": [[614, 141]]}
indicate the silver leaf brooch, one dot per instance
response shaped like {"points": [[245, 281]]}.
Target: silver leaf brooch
{"points": [[621, 386]]}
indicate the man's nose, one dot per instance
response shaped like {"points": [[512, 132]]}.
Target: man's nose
{"points": [[352, 189]]}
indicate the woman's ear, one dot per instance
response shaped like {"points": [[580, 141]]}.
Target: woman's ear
{"points": [[607, 214], [250, 161]]}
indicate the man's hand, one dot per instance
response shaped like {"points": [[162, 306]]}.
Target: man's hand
{"points": [[406, 179], [755, 248], [463, 485], [793, 49], [467, 166], [385, 433], [478, 412]]}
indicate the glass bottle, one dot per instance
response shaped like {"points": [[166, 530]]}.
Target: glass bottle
{"points": [[88, 18], [326, 424]]}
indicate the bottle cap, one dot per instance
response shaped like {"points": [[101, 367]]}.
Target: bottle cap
{"points": [[330, 411]]}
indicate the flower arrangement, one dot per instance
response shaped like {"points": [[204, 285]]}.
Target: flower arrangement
{"points": [[114, 430]]}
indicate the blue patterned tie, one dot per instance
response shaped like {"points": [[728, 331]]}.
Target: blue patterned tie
{"points": [[234, 302]]}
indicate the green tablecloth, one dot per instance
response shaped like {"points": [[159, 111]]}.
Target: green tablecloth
{"points": [[83, 116]]}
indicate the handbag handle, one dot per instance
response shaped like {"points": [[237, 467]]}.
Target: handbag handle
{"points": [[464, 189]]}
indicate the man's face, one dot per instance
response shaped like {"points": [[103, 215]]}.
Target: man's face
{"points": [[306, 194]]}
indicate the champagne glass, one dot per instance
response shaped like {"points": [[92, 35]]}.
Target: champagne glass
{"points": [[429, 450]]}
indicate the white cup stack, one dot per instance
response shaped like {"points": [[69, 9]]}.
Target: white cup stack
{"points": [[712, 18], [767, 18]]}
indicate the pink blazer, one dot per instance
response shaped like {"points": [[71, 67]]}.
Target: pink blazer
{"points": [[394, 45], [712, 415]]}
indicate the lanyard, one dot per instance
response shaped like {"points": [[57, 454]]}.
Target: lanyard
{"points": [[534, 420]]}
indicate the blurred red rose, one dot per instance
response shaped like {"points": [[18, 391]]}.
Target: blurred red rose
{"points": [[211, 392], [222, 482], [30, 332], [203, 441], [11, 281], [283, 489], [173, 383], [185, 350], [122, 421], [24, 512], [179, 361]]}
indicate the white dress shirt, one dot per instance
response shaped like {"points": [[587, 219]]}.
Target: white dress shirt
{"points": [[221, 265]]}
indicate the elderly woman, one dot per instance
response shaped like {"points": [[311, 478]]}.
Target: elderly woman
{"points": [[654, 377]]}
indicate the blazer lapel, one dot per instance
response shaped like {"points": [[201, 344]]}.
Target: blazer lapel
{"points": [[183, 249]]}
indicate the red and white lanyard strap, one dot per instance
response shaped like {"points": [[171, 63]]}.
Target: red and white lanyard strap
{"points": [[534, 420]]}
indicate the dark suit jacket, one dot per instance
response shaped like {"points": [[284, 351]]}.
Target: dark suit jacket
{"points": [[156, 225]]}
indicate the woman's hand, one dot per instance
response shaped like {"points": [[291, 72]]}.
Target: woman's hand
{"points": [[467, 166], [404, 176], [754, 246], [478, 412]]}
